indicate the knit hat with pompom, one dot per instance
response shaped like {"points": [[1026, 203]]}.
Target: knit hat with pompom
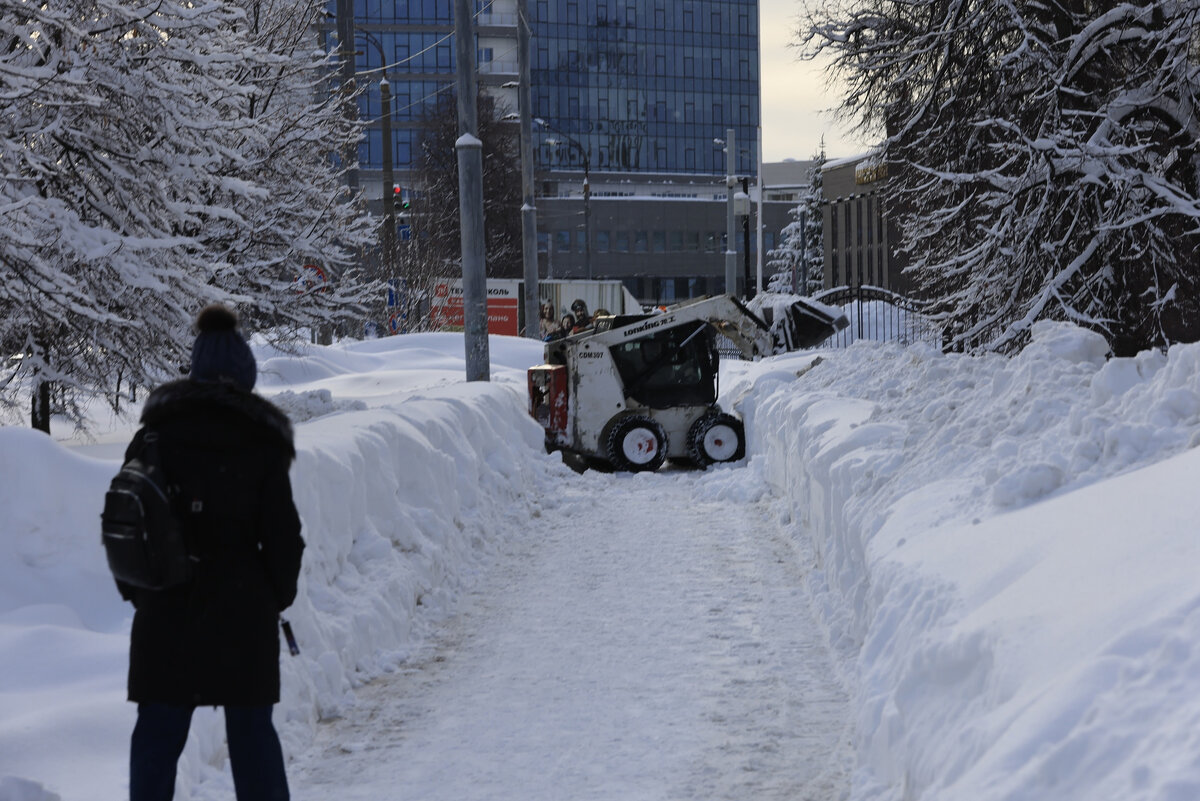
{"points": [[220, 353]]}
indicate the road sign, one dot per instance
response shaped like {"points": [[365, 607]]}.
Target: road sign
{"points": [[311, 279]]}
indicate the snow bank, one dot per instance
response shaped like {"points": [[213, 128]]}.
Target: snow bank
{"points": [[1003, 562], [401, 503]]}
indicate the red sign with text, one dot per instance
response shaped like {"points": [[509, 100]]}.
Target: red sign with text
{"points": [[503, 306]]}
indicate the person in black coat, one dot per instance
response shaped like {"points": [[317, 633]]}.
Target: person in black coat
{"points": [[214, 641]]}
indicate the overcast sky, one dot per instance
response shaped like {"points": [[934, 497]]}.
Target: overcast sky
{"points": [[794, 95]]}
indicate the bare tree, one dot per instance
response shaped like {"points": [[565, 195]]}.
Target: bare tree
{"points": [[435, 220]]}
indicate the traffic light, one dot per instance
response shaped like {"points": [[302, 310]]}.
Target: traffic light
{"points": [[401, 200], [401, 203]]}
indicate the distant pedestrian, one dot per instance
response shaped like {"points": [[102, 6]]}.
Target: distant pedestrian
{"points": [[583, 320], [547, 322], [566, 326], [214, 641]]}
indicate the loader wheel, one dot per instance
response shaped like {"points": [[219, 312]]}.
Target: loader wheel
{"points": [[637, 443], [716, 438]]}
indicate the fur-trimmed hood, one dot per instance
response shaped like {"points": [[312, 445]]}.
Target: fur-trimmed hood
{"points": [[187, 396]]}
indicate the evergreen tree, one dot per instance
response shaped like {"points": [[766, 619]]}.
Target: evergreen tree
{"points": [[799, 261]]}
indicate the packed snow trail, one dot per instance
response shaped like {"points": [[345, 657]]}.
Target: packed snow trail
{"points": [[640, 641]]}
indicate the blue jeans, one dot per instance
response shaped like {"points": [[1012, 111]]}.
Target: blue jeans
{"points": [[254, 752]]}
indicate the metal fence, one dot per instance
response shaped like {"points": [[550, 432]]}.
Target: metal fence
{"points": [[875, 314], [878, 315]]}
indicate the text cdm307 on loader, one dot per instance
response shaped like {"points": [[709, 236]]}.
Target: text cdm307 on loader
{"points": [[636, 390]]}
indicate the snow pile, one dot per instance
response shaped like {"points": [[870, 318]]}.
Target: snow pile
{"points": [[301, 407], [1005, 560], [401, 503], [1005, 556]]}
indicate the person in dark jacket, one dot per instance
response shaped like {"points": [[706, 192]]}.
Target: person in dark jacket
{"points": [[214, 641]]}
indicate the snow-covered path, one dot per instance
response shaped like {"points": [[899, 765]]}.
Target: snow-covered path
{"points": [[641, 642]]}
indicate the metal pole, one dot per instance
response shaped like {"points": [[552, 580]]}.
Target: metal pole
{"points": [[344, 10], [470, 199], [730, 241], [587, 215], [758, 226], [389, 178], [748, 286], [528, 205]]}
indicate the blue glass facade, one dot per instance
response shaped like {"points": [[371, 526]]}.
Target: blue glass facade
{"points": [[415, 39], [646, 85]]}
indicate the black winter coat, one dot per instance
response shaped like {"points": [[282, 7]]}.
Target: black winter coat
{"points": [[215, 640]]}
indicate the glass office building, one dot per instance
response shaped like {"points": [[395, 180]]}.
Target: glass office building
{"points": [[643, 91], [646, 85]]}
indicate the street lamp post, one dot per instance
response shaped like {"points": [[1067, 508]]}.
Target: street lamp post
{"points": [[730, 242], [388, 240], [744, 200], [587, 192], [389, 180]]}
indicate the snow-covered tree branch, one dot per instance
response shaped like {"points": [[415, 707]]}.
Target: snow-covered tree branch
{"points": [[1044, 157], [157, 157]]}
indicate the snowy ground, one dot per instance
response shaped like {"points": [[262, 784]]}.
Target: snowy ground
{"points": [[937, 577], [646, 639]]}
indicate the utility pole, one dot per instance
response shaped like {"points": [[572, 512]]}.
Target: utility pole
{"points": [[528, 207], [344, 10], [389, 179], [470, 199], [758, 223], [730, 241], [748, 286], [587, 214]]}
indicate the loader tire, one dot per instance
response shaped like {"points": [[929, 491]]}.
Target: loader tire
{"points": [[716, 438], [637, 444]]}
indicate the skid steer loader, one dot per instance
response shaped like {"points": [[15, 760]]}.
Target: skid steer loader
{"points": [[636, 390]]}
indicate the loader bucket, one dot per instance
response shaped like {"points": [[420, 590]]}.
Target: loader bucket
{"points": [[806, 324]]}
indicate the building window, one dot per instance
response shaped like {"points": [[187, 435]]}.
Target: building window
{"points": [[581, 241], [562, 241], [622, 241], [660, 241], [640, 242], [676, 244], [693, 241], [602, 238]]}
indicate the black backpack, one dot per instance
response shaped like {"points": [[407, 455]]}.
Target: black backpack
{"points": [[140, 526]]}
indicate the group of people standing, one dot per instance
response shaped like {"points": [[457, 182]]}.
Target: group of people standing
{"points": [[575, 321]]}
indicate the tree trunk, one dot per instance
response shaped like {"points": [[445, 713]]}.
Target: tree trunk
{"points": [[40, 413]]}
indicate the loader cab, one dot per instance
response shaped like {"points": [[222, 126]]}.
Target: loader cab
{"points": [[674, 367]]}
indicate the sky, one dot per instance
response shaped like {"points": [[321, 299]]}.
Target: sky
{"points": [[795, 97], [936, 577]]}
